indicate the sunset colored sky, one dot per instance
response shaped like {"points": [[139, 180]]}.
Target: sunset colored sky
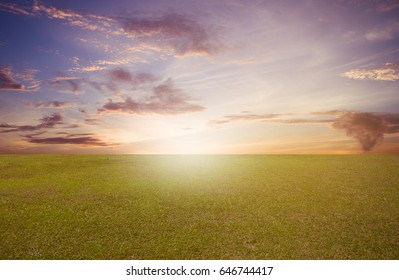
{"points": [[182, 76]]}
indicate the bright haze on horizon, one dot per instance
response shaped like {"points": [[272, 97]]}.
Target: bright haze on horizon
{"points": [[199, 76]]}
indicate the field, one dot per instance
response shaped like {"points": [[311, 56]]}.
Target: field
{"points": [[199, 207]]}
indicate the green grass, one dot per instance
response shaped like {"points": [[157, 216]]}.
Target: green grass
{"points": [[199, 207]]}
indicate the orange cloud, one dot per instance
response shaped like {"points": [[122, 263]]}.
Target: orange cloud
{"points": [[389, 72]]}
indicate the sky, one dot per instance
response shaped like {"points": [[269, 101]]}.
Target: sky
{"points": [[199, 77]]}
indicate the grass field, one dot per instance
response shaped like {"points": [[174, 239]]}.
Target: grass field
{"points": [[199, 207]]}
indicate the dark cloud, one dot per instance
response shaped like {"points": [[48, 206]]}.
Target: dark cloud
{"points": [[121, 75], [84, 139], [127, 106], [45, 123], [183, 35], [7, 82], [165, 99], [124, 75], [4, 125], [50, 121], [367, 128]]}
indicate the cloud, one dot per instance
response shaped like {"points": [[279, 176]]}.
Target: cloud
{"points": [[183, 35], [391, 122], [387, 5], [84, 139], [123, 75], [114, 62], [303, 121], [165, 99], [367, 128], [46, 122], [52, 104], [388, 72], [7, 82], [245, 117], [5, 125], [170, 33], [66, 84], [272, 118], [378, 5], [102, 64], [385, 33], [91, 68], [115, 81], [14, 9], [330, 113], [87, 21], [29, 76]]}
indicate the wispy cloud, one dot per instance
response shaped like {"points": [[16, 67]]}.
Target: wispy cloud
{"points": [[84, 139], [165, 99], [387, 32], [66, 83], [244, 117], [391, 122], [304, 121], [29, 76], [113, 81], [15, 9], [330, 113], [388, 72], [87, 21], [45, 123], [102, 64], [276, 118]]}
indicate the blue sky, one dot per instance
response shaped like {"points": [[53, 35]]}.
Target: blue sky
{"points": [[199, 76]]}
